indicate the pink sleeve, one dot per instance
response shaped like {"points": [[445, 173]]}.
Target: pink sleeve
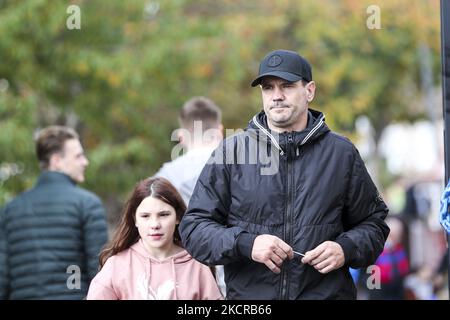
{"points": [[208, 286], [101, 287]]}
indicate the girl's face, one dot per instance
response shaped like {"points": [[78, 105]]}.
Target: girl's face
{"points": [[156, 221]]}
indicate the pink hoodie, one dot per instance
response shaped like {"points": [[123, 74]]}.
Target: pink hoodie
{"points": [[134, 275]]}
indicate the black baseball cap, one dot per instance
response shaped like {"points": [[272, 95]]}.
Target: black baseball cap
{"points": [[285, 64]]}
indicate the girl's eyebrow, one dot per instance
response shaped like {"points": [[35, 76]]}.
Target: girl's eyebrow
{"points": [[159, 212]]}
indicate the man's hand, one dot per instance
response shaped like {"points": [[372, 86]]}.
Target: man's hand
{"points": [[271, 251], [326, 257]]}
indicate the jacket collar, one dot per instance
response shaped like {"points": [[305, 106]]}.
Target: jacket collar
{"points": [[50, 177], [315, 128]]}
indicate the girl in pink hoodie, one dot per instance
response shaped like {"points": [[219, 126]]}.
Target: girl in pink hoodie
{"points": [[145, 259]]}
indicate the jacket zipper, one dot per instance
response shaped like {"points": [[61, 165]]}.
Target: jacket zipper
{"points": [[288, 218], [287, 230]]}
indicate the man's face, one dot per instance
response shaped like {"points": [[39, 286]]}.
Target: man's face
{"points": [[71, 160], [286, 103]]}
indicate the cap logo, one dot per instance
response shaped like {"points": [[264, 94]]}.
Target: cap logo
{"points": [[274, 61]]}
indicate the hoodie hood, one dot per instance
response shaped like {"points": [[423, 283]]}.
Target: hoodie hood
{"points": [[180, 257], [315, 128]]}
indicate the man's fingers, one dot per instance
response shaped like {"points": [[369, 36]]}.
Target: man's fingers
{"points": [[285, 250], [322, 257], [271, 251], [313, 254], [323, 264], [280, 253], [326, 269], [326, 257], [277, 260], [272, 266]]}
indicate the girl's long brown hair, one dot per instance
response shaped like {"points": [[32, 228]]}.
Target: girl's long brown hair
{"points": [[126, 233]]}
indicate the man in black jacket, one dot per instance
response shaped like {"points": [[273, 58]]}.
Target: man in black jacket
{"points": [[51, 235], [287, 206]]}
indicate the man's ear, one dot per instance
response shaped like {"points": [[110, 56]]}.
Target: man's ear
{"points": [[180, 137], [310, 91], [221, 130], [54, 163]]}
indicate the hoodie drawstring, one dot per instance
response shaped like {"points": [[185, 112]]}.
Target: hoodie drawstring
{"points": [[174, 279], [150, 274], [313, 130], [267, 133]]}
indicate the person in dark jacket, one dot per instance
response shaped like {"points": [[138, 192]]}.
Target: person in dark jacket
{"points": [[52, 234], [287, 206]]}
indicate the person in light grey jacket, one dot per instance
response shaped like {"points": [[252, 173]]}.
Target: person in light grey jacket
{"points": [[199, 134]]}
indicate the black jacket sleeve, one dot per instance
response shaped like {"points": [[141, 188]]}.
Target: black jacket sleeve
{"points": [[364, 214], [204, 230]]}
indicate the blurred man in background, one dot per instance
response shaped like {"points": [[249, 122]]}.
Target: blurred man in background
{"points": [[200, 133], [51, 235]]}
